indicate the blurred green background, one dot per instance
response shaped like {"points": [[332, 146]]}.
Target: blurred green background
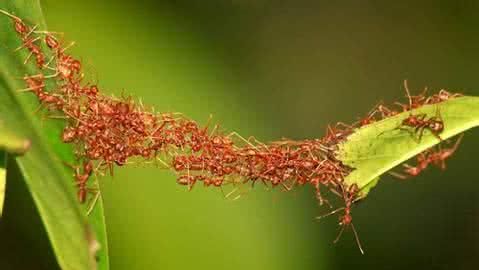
{"points": [[277, 69]]}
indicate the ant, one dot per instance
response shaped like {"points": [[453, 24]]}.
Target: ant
{"points": [[429, 157], [420, 123], [439, 158], [81, 180], [349, 196], [411, 171]]}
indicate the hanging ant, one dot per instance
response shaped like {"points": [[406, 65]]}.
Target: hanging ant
{"points": [[81, 179], [428, 157], [349, 195], [411, 171], [439, 158]]}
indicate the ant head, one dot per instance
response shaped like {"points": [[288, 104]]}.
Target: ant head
{"points": [[436, 126]]}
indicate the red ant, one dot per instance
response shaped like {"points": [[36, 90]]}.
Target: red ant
{"points": [[427, 157], [81, 179], [420, 123], [412, 171], [349, 196], [439, 158], [19, 25]]}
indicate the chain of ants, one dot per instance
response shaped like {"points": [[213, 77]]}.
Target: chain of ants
{"points": [[107, 131]]}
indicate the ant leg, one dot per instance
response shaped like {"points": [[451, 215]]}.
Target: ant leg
{"points": [[30, 89], [321, 199], [39, 76], [232, 192], [411, 133], [344, 125], [290, 187], [339, 234], [330, 213], [10, 15], [335, 192], [442, 166], [229, 193], [28, 58], [444, 154], [456, 144], [400, 176], [95, 200], [234, 133], [421, 116], [190, 186], [68, 46], [163, 162], [357, 239], [51, 33], [420, 129], [437, 136], [24, 45], [403, 107]]}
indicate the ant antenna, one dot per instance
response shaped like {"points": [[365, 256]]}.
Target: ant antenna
{"points": [[408, 93], [458, 141]]}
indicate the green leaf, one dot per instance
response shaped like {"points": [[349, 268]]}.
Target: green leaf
{"points": [[3, 178], [50, 182], [376, 148]]}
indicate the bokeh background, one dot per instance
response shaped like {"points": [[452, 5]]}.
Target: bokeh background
{"points": [[274, 69]]}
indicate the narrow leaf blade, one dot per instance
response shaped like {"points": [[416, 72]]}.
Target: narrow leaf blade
{"points": [[49, 181]]}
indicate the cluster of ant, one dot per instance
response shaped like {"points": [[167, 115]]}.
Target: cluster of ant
{"points": [[416, 124], [109, 131]]}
